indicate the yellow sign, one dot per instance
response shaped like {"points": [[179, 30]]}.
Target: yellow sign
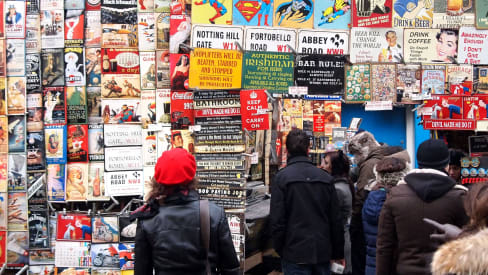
{"points": [[215, 69]]}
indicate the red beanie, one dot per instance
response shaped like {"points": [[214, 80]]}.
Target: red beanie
{"points": [[175, 166]]}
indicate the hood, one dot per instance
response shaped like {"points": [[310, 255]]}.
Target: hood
{"points": [[429, 184], [463, 256]]}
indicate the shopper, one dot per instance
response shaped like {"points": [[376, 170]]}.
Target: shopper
{"points": [[168, 237], [337, 164], [305, 218], [404, 245], [389, 171], [367, 152], [455, 156]]}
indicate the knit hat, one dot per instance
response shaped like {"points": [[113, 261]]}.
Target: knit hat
{"points": [[433, 153], [175, 166]]}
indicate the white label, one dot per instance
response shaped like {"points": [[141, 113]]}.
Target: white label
{"points": [[297, 90], [123, 158], [378, 105], [125, 183], [122, 135]]}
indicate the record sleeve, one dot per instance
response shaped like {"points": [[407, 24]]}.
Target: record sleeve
{"points": [[14, 19], [33, 34], [77, 143], [73, 28], [95, 142], [52, 65], [35, 151], [52, 28], [16, 134], [77, 107], [33, 73], [35, 111], [55, 136], [55, 105], [16, 95]]}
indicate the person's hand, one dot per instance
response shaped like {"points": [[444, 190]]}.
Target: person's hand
{"points": [[341, 262], [449, 231]]}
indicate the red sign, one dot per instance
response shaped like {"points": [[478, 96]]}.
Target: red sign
{"points": [[449, 124], [254, 109], [365, 14], [181, 110]]}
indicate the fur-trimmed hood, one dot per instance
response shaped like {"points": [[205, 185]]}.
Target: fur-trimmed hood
{"points": [[464, 256]]}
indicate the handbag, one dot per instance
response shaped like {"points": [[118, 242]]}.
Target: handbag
{"points": [[205, 231]]}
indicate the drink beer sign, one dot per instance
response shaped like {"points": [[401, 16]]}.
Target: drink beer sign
{"points": [[260, 39]]}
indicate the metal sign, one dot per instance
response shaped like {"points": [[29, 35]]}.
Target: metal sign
{"points": [[216, 37], [123, 158], [122, 135], [261, 39], [323, 42]]}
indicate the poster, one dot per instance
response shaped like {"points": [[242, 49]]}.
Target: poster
{"points": [[17, 173], [3, 135], [14, 19], [293, 14], [105, 255], [475, 107], [74, 254], [35, 151], [126, 256], [252, 13], [95, 142], [145, 6], [453, 14], [216, 37], [73, 227], [416, 14], [119, 36], [148, 112], [74, 4], [122, 135], [15, 57], [213, 69], [94, 104], [33, 33], [481, 20], [77, 106], [163, 104], [77, 143], [433, 80], [460, 79], [182, 114], [127, 229], [163, 80], [321, 74], [3, 60], [76, 181], [52, 28], [17, 248], [323, 42], [272, 71], [96, 182], [163, 140], [179, 32], [38, 230], [16, 95], [120, 61], [32, 6], [408, 83], [124, 183], [377, 44], [147, 31], [16, 134], [105, 229], [56, 175], [383, 78], [179, 139], [121, 86], [445, 107], [93, 29], [73, 28], [17, 214], [148, 70], [358, 87], [119, 12], [149, 148], [332, 14], [56, 138], [162, 30], [367, 13], [36, 191], [52, 4], [43, 257], [93, 66], [74, 69], [211, 12], [254, 110], [123, 158], [121, 111], [259, 39], [93, 5], [33, 73], [52, 66], [431, 45], [3, 218], [161, 5], [480, 75], [3, 172], [180, 70], [471, 44], [54, 105]]}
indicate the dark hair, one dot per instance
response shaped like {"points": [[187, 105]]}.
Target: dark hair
{"points": [[340, 164], [180, 61], [297, 143], [390, 31], [447, 32], [455, 156], [390, 165], [160, 191], [476, 206]]}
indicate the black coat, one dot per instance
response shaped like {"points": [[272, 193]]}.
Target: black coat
{"points": [[169, 242], [305, 217]]}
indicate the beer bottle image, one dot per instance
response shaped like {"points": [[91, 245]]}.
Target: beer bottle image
{"points": [[96, 184], [105, 61]]}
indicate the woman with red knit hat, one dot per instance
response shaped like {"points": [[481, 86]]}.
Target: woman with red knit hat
{"points": [[173, 231]]}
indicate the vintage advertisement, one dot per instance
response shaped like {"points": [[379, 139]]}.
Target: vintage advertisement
{"points": [[43, 257], [3, 214], [35, 151], [182, 114], [148, 108], [445, 107], [41, 269], [237, 226], [3, 135], [383, 82], [293, 14], [127, 229], [56, 138], [105, 229], [475, 107], [77, 143], [162, 5], [55, 105], [259, 39], [32, 6], [292, 114], [17, 173], [76, 181], [36, 191], [77, 109], [163, 104], [3, 60], [321, 74], [96, 182], [433, 80], [145, 6], [52, 66], [148, 70], [124, 183], [3, 107], [149, 148], [271, 71], [163, 80], [93, 66], [120, 61], [121, 86], [95, 142], [93, 29], [33, 73], [38, 230], [147, 31], [74, 68], [73, 28], [123, 158], [413, 14], [358, 77], [126, 256], [121, 111], [179, 139], [74, 4], [52, 4], [33, 34], [216, 37], [453, 14], [179, 32], [17, 214], [180, 70], [332, 114], [459, 79], [206, 12], [332, 14], [14, 19], [16, 134], [323, 42], [119, 12], [219, 161], [164, 139], [105, 255], [17, 248], [481, 9], [94, 104], [471, 44], [480, 79], [162, 33], [93, 5], [431, 45], [119, 36], [74, 254], [376, 44], [216, 103], [56, 175], [408, 83], [15, 57], [365, 13], [3, 172], [122, 135], [52, 28], [16, 95], [252, 13], [254, 110]]}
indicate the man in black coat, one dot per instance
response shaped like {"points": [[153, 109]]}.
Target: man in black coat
{"points": [[305, 218]]}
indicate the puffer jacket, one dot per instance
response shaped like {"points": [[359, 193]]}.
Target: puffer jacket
{"points": [[371, 214], [168, 240]]}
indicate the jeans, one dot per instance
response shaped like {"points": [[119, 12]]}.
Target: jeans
{"points": [[305, 269]]}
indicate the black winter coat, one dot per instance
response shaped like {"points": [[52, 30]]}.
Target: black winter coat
{"points": [[305, 219], [169, 242]]}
